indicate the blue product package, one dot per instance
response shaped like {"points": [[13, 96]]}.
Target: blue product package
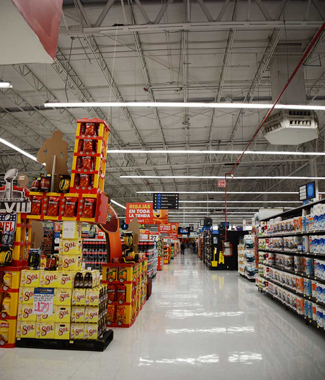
{"points": [[310, 266], [323, 297], [320, 317], [310, 310], [310, 288], [319, 292], [306, 308]]}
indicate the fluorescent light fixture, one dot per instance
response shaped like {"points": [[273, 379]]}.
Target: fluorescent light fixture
{"points": [[218, 192], [216, 177], [181, 213], [238, 152], [228, 208], [118, 204], [262, 106], [5, 85], [237, 202], [12, 146]]}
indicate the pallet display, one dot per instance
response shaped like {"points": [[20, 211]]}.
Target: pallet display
{"points": [[207, 248], [167, 253], [292, 261], [246, 258]]}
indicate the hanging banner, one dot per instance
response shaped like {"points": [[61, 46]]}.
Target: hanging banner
{"points": [[160, 216], [142, 211], [171, 229]]}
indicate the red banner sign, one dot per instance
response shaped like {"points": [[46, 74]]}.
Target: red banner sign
{"points": [[170, 229], [221, 183], [160, 216], [142, 211]]}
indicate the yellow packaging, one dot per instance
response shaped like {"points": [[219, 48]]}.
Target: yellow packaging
{"points": [[48, 279], [78, 314], [25, 312], [30, 278], [91, 330], [91, 314], [122, 274], [66, 279], [79, 297], [46, 317], [26, 295], [10, 280], [62, 331], [45, 330], [77, 331], [26, 329], [76, 230], [62, 314], [92, 297], [4, 332], [62, 297], [70, 262], [70, 247]]}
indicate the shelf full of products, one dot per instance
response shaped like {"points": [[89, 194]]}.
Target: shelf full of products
{"points": [[246, 258], [207, 248]]}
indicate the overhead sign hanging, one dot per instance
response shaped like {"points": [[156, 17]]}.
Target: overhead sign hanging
{"points": [[166, 201], [307, 191], [160, 216], [171, 229], [221, 183], [142, 211]]}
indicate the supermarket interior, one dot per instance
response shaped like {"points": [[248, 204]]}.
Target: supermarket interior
{"points": [[161, 189]]}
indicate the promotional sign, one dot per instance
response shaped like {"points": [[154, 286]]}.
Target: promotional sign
{"points": [[307, 191], [43, 301], [170, 229], [8, 222], [142, 211], [221, 183], [160, 216], [166, 201]]}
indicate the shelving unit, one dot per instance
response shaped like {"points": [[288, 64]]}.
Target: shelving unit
{"points": [[94, 253], [246, 258]]}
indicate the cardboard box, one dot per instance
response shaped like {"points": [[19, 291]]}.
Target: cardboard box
{"points": [[91, 314], [91, 330], [46, 317], [70, 247], [30, 278], [92, 297], [66, 279], [45, 330], [25, 312], [62, 297], [70, 262], [26, 329], [48, 279], [26, 295], [79, 297], [78, 314], [62, 331], [62, 314], [77, 331]]}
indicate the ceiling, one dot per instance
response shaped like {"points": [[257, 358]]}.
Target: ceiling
{"points": [[185, 51]]}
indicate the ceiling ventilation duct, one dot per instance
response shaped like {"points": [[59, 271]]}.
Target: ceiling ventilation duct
{"points": [[289, 127]]}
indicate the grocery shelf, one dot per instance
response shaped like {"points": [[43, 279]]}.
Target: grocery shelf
{"points": [[294, 253]]}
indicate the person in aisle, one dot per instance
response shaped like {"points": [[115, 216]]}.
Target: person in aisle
{"points": [[182, 248], [194, 247]]}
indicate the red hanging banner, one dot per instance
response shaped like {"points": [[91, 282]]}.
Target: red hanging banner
{"points": [[142, 211]]}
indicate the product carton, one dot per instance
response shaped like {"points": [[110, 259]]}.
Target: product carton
{"points": [[48, 279], [62, 297], [79, 297], [91, 314], [66, 279], [78, 314], [46, 317], [62, 314], [72, 230], [70, 247], [45, 330], [92, 297], [91, 330], [30, 278], [62, 331], [26, 295], [77, 331], [70, 262], [26, 329], [25, 312]]}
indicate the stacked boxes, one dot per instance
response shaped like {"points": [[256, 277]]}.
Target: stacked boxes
{"points": [[127, 292]]}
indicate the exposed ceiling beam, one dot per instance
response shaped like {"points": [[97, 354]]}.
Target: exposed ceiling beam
{"points": [[104, 13]]}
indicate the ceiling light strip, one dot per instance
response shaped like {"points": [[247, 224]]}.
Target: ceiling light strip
{"points": [[218, 177], [219, 192], [12, 146]]}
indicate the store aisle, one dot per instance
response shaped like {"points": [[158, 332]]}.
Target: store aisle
{"points": [[197, 324]]}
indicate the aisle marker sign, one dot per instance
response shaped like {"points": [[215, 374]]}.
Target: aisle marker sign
{"points": [[43, 301], [166, 201], [221, 183], [142, 211]]}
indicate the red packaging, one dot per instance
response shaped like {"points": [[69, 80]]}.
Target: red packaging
{"points": [[79, 162], [36, 205], [89, 208], [110, 314], [120, 294], [45, 184], [87, 163], [90, 129], [36, 184], [70, 207], [80, 145], [88, 145], [111, 290], [53, 206], [84, 180]]}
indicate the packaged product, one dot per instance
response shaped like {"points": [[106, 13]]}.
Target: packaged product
{"points": [[45, 184], [120, 315], [80, 145], [26, 329], [79, 297], [70, 262], [120, 294], [88, 210], [91, 314], [122, 274], [36, 205], [45, 330], [36, 184], [91, 331], [62, 314], [77, 331], [110, 314], [320, 316], [88, 146], [46, 317], [70, 247], [26, 295], [48, 279], [90, 129], [53, 206], [78, 314], [84, 180], [62, 297], [111, 296], [70, 207], [6, 280], [87, 163], [25, 312], [30, 278], [92, 297], [62, 331], [64, 185], [66, 279], [112, 274]]}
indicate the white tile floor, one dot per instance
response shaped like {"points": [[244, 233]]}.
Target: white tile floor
{"points": [[197, 324]]}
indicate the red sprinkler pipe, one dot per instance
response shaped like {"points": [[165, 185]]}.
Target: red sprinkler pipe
{"points": [[312, 43]]}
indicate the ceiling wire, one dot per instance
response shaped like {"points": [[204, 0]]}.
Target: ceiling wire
{"points": [[66, 81]]}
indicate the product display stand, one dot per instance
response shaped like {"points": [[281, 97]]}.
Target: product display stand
{"points": [[292, 261]]}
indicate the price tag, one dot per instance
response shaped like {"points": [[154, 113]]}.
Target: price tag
{"points": [[43, 301], [69, 228]]}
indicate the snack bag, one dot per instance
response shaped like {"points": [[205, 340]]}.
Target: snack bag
{"points": [[120, 315], [36, 205], [88, 210], [110, 314], [88, 146], [122, 274], [70, 207], [62, 331], [53, 206], [87, 163], [111, 274], [111, 296], [84, 180], [7, 280], [120, 294], [90, 129]]}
